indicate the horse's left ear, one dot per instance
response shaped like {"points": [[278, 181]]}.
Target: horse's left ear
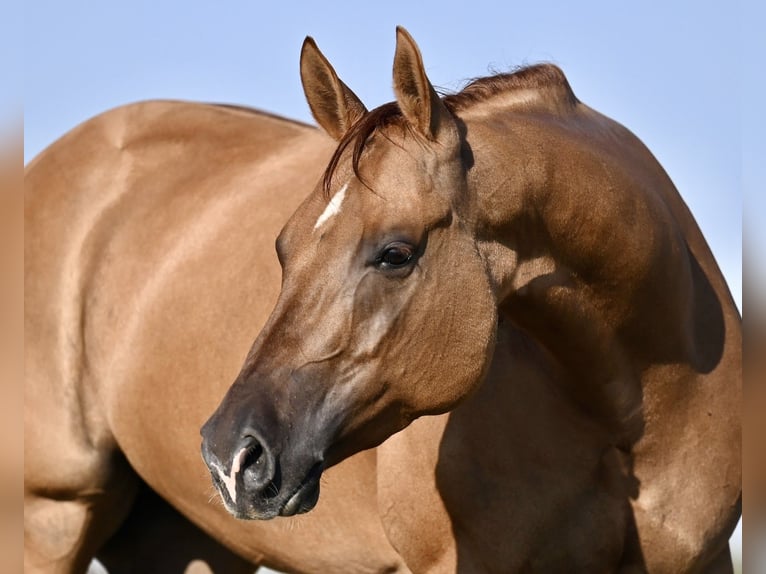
{"points": [[417, 99]]}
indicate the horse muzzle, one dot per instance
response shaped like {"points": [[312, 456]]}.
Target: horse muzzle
{"points": [[252, 481]]}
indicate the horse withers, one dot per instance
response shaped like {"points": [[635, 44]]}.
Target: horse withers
{"points": [[499, 342]]}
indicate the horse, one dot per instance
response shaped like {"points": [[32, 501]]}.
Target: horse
{"points": [[125, 361], [492, 335]]}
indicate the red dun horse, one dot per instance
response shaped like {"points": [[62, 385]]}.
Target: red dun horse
{"points": [[505, 260]]}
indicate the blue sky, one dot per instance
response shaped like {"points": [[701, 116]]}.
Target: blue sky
{"points": [[667, 70]]}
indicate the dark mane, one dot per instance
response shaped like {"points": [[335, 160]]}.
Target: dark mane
{"points": [[536, 77]]}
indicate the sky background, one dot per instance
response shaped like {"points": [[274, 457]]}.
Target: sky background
{"points": [[674, 72]]}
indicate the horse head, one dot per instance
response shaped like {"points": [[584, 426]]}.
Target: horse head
{"points": [[386, 311]]}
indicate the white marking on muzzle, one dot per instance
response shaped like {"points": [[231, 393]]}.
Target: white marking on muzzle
{"points": [[231, 480], [333, 207]]}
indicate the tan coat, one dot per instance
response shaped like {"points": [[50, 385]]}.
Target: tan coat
{"points": [[506, 260]]}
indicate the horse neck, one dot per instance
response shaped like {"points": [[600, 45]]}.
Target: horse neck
{"points": [[585, 256]]}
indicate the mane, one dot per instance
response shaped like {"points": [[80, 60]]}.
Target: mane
{"points": [[541, 77]]}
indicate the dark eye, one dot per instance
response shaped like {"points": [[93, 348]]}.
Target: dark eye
{"points": [[395, 256]]}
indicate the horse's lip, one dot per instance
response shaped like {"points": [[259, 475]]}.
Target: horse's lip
{"points": [[305, 497]]}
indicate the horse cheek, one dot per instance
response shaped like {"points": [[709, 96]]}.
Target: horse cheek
{"points": [[464, 325]]}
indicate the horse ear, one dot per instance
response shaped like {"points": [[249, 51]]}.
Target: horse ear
{"points": [[417, 99], [334, 106]]}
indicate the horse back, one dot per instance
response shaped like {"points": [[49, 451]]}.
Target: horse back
{"points": [[107, 202]]}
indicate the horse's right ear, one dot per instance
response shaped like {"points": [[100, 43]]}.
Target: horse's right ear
{"points": [[334, 106]]}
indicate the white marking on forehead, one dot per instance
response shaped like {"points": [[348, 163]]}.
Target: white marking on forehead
{"points": [[333, 207]]}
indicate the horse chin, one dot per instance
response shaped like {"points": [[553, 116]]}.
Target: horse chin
{"points": [[306, 496]]}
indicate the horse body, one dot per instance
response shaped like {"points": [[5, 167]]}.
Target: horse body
{"points": [[582, 383], [508, 261], [127, 352]]}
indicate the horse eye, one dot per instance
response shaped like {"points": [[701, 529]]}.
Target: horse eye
{"points": [[395, 256]]}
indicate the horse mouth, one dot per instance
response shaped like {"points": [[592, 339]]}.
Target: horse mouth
{"points": [[265, 505], [305, 497]]}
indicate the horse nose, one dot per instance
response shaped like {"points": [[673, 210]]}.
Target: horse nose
{"points": [[251, 468]]}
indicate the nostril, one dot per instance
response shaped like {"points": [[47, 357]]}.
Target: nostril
{"points": [[253, 454], [256, 463]]}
